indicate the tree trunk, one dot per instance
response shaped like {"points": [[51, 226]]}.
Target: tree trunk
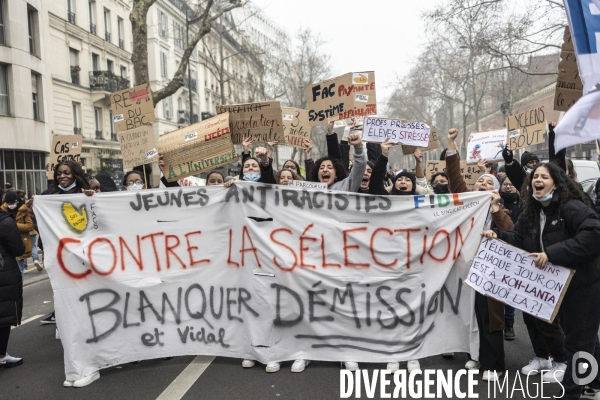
{"points": [[139, 31]]}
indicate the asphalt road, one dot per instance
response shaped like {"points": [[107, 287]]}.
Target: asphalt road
{"points": [[42, 373]]}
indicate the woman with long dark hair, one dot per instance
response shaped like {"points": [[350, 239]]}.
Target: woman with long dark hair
{"points": [[558, 225]]}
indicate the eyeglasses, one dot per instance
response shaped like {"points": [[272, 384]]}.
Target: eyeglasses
{"points": [[130, 183], [508, 185]]}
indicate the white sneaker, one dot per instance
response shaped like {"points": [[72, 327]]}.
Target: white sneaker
{"points": [[351, 365], [9, 361], [299, 365], [68, 383], [87, 380], [38, 265], [248, 363], [536, 365], [57, 335], [413, 365], [273, 367], [393, 366], [472, 364], [491, 376], [556, 373]]}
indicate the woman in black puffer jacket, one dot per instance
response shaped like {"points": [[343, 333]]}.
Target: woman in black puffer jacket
{"points": [[11, 285]]}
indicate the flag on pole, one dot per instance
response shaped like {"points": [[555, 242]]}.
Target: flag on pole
{"points": [[581, 123]]}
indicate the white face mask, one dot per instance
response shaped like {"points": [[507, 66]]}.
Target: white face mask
{"points": [[12, 206], [135, 186]]}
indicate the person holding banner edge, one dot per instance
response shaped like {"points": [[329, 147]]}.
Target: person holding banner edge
{"points": [[558, 225]]}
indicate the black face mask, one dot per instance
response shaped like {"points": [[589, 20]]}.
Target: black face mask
{"points": [[441, 188], [510, 197]]}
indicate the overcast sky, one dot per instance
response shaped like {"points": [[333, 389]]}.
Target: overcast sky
{"points": [[380, 35]]}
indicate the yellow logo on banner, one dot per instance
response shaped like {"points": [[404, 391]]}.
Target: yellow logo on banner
{"points": [[76, 218], [360, 78]]}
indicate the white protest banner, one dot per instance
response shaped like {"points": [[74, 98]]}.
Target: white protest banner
{"points": [[508, 274], [64, 148], [406, 132], [308, 185], [257, 273], [486, 145]]}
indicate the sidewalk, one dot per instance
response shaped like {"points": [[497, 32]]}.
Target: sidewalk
{"points": [[32, 275]]}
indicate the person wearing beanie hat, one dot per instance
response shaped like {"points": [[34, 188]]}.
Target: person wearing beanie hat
{"points": [[529, 161], [501, 173], [404, 183]]}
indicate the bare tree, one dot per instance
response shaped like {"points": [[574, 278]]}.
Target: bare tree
{"points": [[208, 13]]}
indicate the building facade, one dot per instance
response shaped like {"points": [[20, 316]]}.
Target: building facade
{"points": [[24, 97], [90, 42]]}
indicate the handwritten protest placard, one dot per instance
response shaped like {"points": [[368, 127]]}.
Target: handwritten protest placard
{"points": [[199, 147], [132, 108], [138, 146], [486, 145], [308, 185], [346, 96], [569, 87], [469, 171], [407, 132], [262, 121], [508, 274], [296, 128], [434, 142], [527, 128], [64, 148]]}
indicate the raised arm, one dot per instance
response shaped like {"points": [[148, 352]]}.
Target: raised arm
{"points": [[376, 184], [456, 180]]}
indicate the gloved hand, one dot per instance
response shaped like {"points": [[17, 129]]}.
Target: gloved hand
{"points": [[507, 154]]}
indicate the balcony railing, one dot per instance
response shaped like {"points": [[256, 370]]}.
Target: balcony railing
{"points": [[75, 75], [92, 29], [99, 135], [121, 44], [71, 17], [77, 131], [114, 137], [107, 36], [107, 81]]}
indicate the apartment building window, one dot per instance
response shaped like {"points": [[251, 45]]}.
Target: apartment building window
{"points": [[123, 72], [163, 64], [95, 62], [92, 6], [34, 93], [2, 25], [178, 34], [120, 32], [168, 107], [110, 65], [113, 134], [107, 25], [74, 62], [163, 24], [98, 122], [71, 11], [31, 22], [76, 119], [4, 103]]}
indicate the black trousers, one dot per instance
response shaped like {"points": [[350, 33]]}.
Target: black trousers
{"points": [[491, 344], [4, 335], [580, 319], [546, 339]]}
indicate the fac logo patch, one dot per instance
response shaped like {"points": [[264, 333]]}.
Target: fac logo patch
{"points": [[76, 218]]}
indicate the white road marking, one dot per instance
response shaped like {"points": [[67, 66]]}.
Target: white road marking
{"points": [[28, 320], [184, 381]]}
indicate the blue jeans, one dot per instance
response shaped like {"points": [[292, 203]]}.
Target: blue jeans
{"points": [[509, 312], [22, 267], [34, 249]]}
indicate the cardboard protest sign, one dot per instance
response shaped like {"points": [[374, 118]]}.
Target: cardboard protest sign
{"points": [[346, 96], [469, 171], [138, 146], [308, 185], [569, 87], [132, 108], [508, 274], [199, 147], [406, 132], [64, 148], [527, 128], [296, 128], [486, 145], [262, 121], [402, 259], [434, 142]]}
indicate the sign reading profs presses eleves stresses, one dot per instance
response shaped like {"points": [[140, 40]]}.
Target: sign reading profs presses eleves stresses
{"points": [[199, 147], [296, 127], [260, 121], [508, 274], [527, 128], [64, 148], [132, 108], [349, 95], [398, 131], [434, 142]]}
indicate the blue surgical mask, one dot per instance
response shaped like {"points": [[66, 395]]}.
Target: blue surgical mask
{"points": [[528, 170], [252, 176], [71, 186], [546, 197]]}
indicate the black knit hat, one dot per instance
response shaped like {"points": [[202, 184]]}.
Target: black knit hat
{"points": [[11, 197], [410, 176], [527, 156]]}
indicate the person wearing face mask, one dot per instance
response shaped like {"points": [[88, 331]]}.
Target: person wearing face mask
{"points": [[488, 312], [439, 183], [16, 208], [511, 197], [258, 170], [557, 225], [133, 180], [286, 176]]}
